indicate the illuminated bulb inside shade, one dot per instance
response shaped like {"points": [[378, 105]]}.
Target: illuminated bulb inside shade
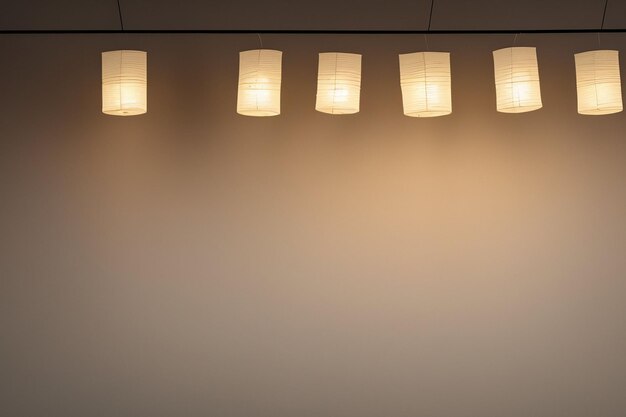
{"points": [[338, 83], [426, 84], [598, 83], [259, 82], [517, 80], [124, 83]]}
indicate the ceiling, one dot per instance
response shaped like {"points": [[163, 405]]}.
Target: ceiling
{"points": [[321, 14]]}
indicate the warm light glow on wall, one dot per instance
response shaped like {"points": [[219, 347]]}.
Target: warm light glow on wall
{"points": [[259, 82], [124, 83], [426, 84], [598, 82], [517, 79], [338, 83]]}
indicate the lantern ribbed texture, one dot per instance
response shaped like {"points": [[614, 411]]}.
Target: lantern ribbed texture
{"points": [[259, 82], [598, 82], [517, 79], [124, 83], [426, 84], [338, 83]]}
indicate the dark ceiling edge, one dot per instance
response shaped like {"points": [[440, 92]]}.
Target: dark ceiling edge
{"points": [[311, 32]]}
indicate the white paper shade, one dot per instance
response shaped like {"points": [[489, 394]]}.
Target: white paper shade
{"points": [[598, 83], [259, 82], [517, 79], [426, 84], [124, 83], [338, 83]]}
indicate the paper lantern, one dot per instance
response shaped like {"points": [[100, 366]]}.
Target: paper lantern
{"points": [[426, 84], [598, 82], [338, 83], [517, 80], [259, 82], [124, 83]]}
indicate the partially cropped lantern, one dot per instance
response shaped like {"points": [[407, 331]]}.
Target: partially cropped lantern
{"points": [[124, 83], [598, 83], [426, 84], [338, 83], [259, 82], [517, 79]]}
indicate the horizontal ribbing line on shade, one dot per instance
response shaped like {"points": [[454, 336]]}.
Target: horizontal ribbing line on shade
{"points": [[309, 31]]}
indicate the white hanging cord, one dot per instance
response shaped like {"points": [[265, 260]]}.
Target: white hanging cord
{"points": [[606, 3], [119, 11], [430, 19]]}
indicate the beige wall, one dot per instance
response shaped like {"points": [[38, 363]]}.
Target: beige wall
{"points": [[194, 262]]}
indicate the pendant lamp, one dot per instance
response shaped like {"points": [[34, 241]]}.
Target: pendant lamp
{"points": [[338, 83], [426, 84], [598, 82], [259, 82], [124, 83], [517, 80]]}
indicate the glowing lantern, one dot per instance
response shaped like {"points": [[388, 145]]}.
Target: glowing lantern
{"points": [[124, 83]]}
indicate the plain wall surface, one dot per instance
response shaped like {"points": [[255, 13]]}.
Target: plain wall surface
{"points": [[195, 262]]}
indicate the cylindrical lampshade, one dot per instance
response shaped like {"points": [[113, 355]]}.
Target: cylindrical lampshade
{"points": [[259, 82], [426, 84], [517, 79], [598, 82], [124, 83], [338, 83]]}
